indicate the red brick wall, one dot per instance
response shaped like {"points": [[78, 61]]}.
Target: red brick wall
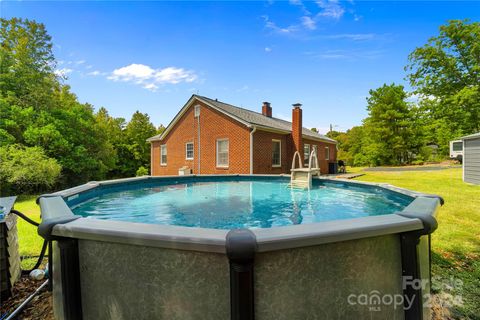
{"points": [[213, 125], [322, 162], [262, 153]]}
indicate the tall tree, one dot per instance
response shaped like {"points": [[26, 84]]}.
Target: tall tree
{"points": [[27, 63], [38, 110], [446, 71], [389, 126], [136, 150]]}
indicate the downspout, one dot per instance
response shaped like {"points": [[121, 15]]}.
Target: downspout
{"points": [[251, 149], [151, 158], [199, 144]]}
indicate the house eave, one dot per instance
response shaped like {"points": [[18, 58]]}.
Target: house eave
{"points": [[185, 108]]}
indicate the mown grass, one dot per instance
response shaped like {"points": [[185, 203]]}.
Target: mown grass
{"points": [[30, 242], [456, 242]]}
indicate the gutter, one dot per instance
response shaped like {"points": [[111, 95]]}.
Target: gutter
{"points": [[251, 149]]}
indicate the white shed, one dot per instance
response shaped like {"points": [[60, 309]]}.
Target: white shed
{"points": [[471, 158]]}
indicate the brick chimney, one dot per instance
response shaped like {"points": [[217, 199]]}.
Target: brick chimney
{"points": [[297, 129], [266, 109]]}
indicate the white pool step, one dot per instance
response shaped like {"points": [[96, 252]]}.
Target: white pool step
{"points": [[298, 184], [302, 177]]}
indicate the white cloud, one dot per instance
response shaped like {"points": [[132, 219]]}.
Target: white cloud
{"points": [[331, 9], [132, 72], [268, 49], [151, 86], [351, 54], [174, 75], [273, 26], [300, 4], [308, 23], [416, 97], [352, 36], [80, 62], [325, 9], [63, 72], [151, 78], [96, 73]]}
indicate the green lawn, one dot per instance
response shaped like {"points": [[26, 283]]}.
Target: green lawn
{"points": [[455, 244], [30, 241]]}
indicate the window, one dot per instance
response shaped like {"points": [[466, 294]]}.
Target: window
{"points": [[196, 112], [327, 153], [457, 146], [163, 155], [306, 154], [276, 153], [222, 153], [189, 151]]}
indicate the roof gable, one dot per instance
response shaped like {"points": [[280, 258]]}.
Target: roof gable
{"points": [[247, 117]]}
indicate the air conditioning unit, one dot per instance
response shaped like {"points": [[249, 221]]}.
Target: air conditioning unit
{"points": [[184, 171]]}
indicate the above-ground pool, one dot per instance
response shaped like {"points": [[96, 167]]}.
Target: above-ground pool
{"points": [[238, 247], [241, 204]]}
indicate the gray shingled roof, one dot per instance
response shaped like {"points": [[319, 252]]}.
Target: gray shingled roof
{"points": [[255, 118]]}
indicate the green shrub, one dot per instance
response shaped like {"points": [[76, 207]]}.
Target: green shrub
{"points": [[142, 171], [418, 162], [27, 169]]}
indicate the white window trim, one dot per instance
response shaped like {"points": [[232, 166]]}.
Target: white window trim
{"points": [[305, 160], [161, 155], [186, 150], [327, 153], [277, 165], [216, 154]]}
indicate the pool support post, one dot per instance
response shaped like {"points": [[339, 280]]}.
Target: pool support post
{"points": [[70, 275], [68, 257], [241, 245], [409, 246]]}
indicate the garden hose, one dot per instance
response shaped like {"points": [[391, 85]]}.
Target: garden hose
{"points": [[45, 242], [22, 306], [46, 284]]}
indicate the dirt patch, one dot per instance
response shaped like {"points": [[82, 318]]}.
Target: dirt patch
{"points": [[39, 308], [440, 311]]}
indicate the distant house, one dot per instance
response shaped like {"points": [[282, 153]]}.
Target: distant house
{"points": [[471, 158], [213, 137]]}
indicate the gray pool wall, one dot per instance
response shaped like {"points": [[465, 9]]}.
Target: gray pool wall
{"points": [[316, 271]]}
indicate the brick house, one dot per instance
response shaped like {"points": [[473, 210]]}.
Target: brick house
{"points": [[213, 137]]}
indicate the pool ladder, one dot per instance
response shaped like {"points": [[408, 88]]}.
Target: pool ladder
{"points": [[301, 178]]}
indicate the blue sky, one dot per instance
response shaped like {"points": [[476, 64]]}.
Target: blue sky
{"points": [[151, 56]]}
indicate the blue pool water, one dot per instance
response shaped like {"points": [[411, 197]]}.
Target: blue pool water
{"points": [[241, 204]]}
